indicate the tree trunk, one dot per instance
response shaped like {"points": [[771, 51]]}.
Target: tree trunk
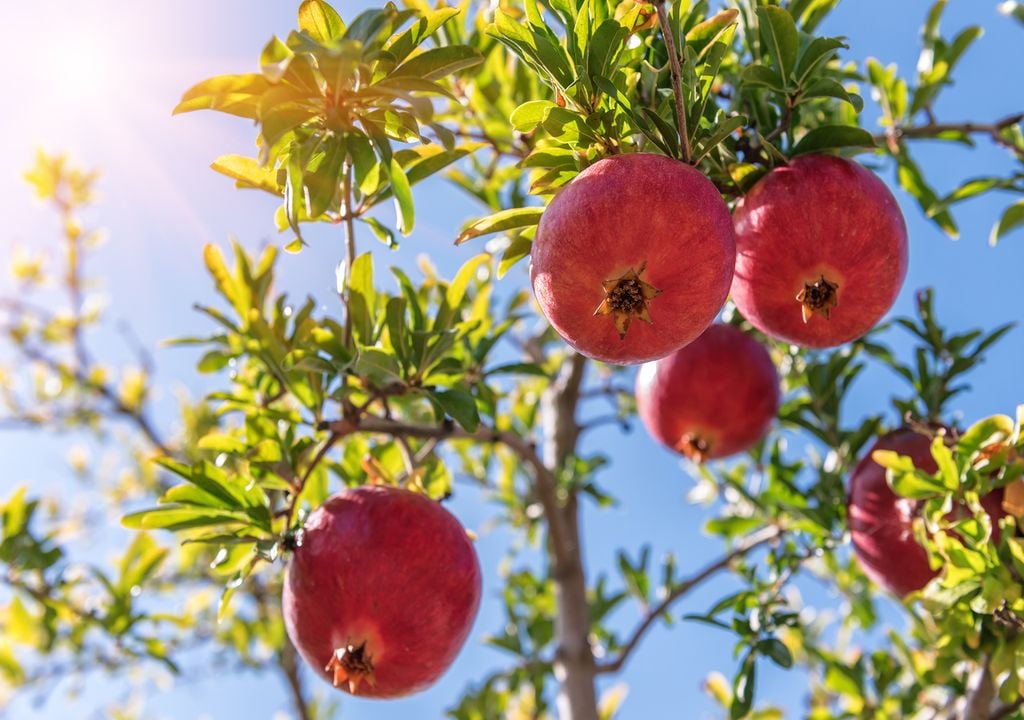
{"points": [[574, 659]]}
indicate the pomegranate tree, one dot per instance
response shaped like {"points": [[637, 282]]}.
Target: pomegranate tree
{"points": [[821, 252], [381, 591], [633, 237], [711, 399]]}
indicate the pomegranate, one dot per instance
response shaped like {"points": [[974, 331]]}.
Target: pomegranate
{"points": [[881, 521], [713, 398], [382, 591], [821, 252], [633, 237]]}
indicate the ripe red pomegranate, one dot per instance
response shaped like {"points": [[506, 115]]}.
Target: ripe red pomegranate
{"points": [[821, 252], [881, 521], [634, 236], [382, 591], [715, 397]]}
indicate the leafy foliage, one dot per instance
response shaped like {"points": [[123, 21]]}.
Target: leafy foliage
{"points": [[423, 380]]}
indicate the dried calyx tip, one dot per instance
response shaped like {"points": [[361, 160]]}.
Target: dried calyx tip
{"points": [[694, 447], [625, 297], [821, 296], [351, 665]]}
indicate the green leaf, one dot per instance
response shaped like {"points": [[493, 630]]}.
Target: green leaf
{"points": [[438, 62], [776, 650], [518, 249], [232, 94], [274, 59], [460, 405], [403, 197], [703, 34], [500, 221], [827, 87], [1013, 217], [381, 231], [781, 38], [764, 76], [911, 180], [320, 21], [183, 517], [905, 479], [459, 284], [530, 114], [943, 456], [820, 50], [828, 137], [427, 25], [248, 173]]}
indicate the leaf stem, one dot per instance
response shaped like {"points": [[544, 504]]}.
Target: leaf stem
{"points": [[676, 71]]}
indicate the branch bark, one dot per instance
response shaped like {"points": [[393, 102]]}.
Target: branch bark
{"points": [[933, 129], [574, 658], [676, 72], [981, 696], [288, 662], [749, 544]]}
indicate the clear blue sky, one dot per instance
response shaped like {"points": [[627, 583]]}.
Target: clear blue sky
{"points": [[160, 204]]}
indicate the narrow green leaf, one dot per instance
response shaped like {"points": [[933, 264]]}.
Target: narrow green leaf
{"points": [[403, 197], [459, 284], [500, 221], [828, 137], [232, 94], [247, 173], [781, 38], [1013, 217], [438, 62]]}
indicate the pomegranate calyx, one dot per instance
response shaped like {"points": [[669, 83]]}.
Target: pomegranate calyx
{"points": [[625, 297], [351, 664], [820, 297], [694, 447]]}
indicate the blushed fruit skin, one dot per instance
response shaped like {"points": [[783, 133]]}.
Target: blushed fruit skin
{"points": [[722, 388], [390, 568], [880, 521], [620, 213], [818, 216]]}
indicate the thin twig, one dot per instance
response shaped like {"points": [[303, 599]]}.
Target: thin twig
{"points": [[676, 72], [934, 129], [545, 483], [350, 244], [748, 545]]}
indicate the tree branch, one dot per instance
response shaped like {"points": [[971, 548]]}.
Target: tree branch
{"points": [[981, 696], [676, 72], [933, 129], [749, 544], [544, 480], [289, 665]]}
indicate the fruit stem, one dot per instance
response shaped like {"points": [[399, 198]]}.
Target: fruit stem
{"points": [[676, 72]]}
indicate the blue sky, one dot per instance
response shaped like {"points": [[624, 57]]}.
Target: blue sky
{"points": [[160, 203]]}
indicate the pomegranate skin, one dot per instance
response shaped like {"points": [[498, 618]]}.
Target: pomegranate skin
{"points": [[820, 218], [713, 398], [635, 212], [390, 569], [880, 521]]}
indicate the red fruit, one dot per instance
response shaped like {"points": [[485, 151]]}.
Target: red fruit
{"points": [[635, 236], [714, 398], [383, 590], [821, 252], [881, 522]]}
